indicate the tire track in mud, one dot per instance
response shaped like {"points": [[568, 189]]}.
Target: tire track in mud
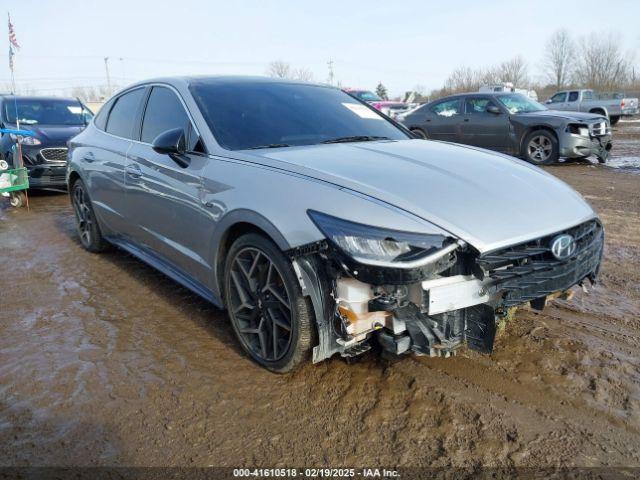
{"points": [[105, 361]]}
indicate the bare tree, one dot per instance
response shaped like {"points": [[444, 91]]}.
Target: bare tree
{"points": [[303, 74], [463, 79], [514, 71], [279, 69], [21, 89], [86, 94], [559, 58], [601, 62]]}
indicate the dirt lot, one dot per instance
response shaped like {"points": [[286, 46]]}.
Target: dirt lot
{"points": [[103, 361]]}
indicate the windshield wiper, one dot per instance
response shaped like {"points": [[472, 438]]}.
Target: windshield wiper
{"points": [[271, 145], [355, 138]]}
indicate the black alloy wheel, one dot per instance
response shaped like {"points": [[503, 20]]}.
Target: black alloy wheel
{"points": [[270, 316], [86, 223]]}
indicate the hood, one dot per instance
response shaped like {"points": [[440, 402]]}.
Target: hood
{"points": [[564, 115], [487, 199], [54, 134]]}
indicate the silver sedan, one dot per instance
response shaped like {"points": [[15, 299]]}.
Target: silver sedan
{"points": [[319, 224]]}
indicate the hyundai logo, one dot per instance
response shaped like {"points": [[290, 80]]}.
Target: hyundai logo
{"points": [[563, 246]]}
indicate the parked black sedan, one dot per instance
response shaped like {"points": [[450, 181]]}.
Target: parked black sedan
{"points": [[514, 124], [53, 122]]}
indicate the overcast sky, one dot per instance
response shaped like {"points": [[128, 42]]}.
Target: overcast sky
{"points": [[402, 43]]}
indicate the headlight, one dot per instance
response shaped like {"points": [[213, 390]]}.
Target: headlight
{"points": [[581, 130], [25, 140], [382, 247]]}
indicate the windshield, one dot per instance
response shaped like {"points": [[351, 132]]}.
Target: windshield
{"points": [[46, 112], [246, 115], [518, 103], [366, 96]]}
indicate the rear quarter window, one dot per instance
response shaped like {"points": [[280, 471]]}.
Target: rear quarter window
{"points": [[100, 120]]}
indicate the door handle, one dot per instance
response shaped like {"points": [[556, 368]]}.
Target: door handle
{"points": [[133, 170], [89, 157]]}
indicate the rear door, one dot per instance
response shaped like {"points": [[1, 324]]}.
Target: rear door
{"points": [[164, 198], [573, 101], [443, 120], [481, 128], [105, 159]]}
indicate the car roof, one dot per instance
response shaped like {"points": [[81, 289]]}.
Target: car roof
{"points": [[479, 94], [186, 81]]}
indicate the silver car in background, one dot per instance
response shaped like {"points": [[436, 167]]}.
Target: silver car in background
{"points": [[321, 226]]}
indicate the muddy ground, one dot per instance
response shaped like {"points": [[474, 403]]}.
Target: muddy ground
{"points": [[103, 361]]}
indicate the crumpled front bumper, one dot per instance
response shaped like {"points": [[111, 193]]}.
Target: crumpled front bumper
{"points": [[576, 146]]}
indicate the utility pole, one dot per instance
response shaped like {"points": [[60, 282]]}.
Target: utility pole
{"points": [[106, 67], [330, 65]]}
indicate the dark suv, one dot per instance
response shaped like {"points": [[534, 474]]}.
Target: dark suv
{"points": [[53, 121]]}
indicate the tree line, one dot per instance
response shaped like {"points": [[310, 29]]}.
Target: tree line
{"points": [[596, 60]]}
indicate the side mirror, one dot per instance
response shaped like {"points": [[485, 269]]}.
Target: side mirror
{"points": [[548, 101], [173, 143], [493, 109]]}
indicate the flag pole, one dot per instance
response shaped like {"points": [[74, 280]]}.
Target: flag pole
{"points": [[18, 160]]}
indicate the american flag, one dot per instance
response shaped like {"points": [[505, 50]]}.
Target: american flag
{"points": [[12, 35], [11, 54]]}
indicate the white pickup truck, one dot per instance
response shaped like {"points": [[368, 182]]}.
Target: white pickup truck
{"points": [[589, 101]]}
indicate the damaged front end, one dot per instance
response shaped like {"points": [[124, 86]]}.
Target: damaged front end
{"points": [[429, 295]]}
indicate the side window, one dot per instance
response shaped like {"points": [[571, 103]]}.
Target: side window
{"points": [[573, 96], [165, 112], [448, 108], [123, 114], [587, 95], [559, 97], [476, 106]]}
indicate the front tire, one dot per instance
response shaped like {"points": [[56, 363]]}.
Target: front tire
{"points": [[540, 147], [271, 318], [86, 222], [614, 119]]}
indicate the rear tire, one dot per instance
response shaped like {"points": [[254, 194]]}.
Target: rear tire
{"points": [[540, 147], [86, 221], [271, 318], [419, 133]]}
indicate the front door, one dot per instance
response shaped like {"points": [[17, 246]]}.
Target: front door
{"points": [[558, 101], [482, 128], [164, 198]]}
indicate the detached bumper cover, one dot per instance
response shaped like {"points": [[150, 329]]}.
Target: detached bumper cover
{"points": [[575, 146]]}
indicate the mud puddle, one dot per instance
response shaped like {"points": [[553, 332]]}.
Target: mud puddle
{"points": [[104, 361]]}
